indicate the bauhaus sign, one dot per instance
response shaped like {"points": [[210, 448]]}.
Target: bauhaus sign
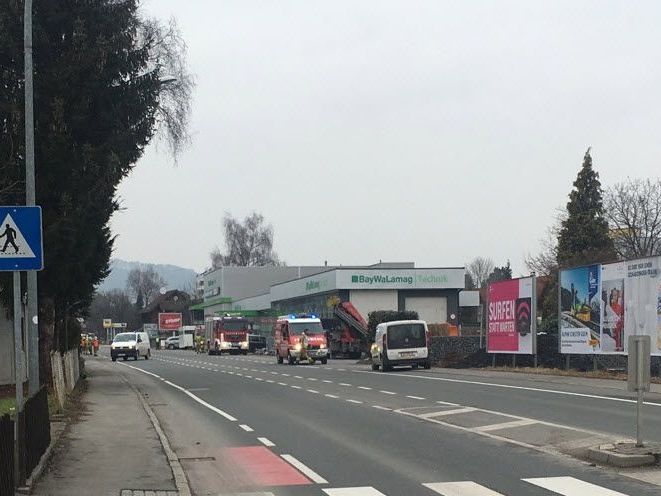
{"points": [[169, 321]]}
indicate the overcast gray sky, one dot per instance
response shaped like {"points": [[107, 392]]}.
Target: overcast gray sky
{"points": [[431, 131]]}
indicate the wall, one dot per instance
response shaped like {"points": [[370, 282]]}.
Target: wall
{"points": [[432, 309], [367, 301], [451, 296]]}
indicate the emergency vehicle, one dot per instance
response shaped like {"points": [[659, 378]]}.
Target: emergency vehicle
{"points": [[228, 335], [287, 334]]}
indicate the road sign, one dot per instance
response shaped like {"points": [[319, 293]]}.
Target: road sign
{"points": [[107, 323], [21, 245], [119, 325]]}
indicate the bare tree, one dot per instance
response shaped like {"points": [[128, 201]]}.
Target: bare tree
{"points": [[143, 284], [479, 270], [633, 210], [247, 243]]}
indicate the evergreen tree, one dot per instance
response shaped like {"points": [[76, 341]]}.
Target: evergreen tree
{"points": [[584, 236], [500, 273]]}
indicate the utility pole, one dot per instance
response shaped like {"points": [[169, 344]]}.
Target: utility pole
{"points": [[30, 199]]}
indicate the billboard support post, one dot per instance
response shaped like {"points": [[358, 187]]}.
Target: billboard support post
{"points": [[639, 376], [513, 361]]}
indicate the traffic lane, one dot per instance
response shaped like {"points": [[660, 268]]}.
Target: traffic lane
{"points": [[216, 454], [606, 415], [401, 453]]}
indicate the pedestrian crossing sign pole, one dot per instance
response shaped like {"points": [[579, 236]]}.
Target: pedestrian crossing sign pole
{"points": [[21, 249]]}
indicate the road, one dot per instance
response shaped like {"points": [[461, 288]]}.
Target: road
{"points": [[247, 425]]}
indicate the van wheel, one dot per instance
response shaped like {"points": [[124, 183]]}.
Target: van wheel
{"points": [[148, 355], [375, 366], [125, 358], [324, 361], [136, 356], [291, 359], [114, 359], [427, 364], [414, 366], [280, 360]]}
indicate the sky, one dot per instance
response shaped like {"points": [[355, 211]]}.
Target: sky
{"points": [[426, 131]]}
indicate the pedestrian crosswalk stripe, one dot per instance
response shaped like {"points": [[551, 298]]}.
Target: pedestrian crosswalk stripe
{"points": [[568, 486], [353, 491], [464, 488]]}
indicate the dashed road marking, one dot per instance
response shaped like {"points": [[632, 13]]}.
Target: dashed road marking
{"points": [[307, 471], [266, 442], [246, 428]]}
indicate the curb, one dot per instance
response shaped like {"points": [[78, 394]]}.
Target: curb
{"points": [[177, 470], [601, 454]]}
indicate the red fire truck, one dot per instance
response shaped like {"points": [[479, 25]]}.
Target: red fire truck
{"points": [[287, 332], [228, 335]]}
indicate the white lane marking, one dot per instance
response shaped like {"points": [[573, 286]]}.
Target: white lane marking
{"points": [[342, 370], [216, 370], [327, 381], [355, 401], [307, 471], [270, 381], [379, 407], [447, 403], [183, 390], [274, 373], [331, 396], [505, 425], [248, 376], [365, 388], [568, 486], [239, 374], [312, 379], [282, 383], [508, 386], [313, 391], [266, 442], [246, 428], [387, 392], [258, 379], [296, 376], [354, 491], [345, 384], [296, 387], [464, 488], [447, 412], [416, 398], [284, 375]]}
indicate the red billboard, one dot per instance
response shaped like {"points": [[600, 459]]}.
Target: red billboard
{"points": [[511, 316], [169, 321]]}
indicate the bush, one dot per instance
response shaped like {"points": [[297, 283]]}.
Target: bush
{"points": [[379, 316]]}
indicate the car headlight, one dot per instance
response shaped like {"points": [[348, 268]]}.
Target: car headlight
{"points": [[297, 347], [322, 346], [244, 343], [225, 344]]}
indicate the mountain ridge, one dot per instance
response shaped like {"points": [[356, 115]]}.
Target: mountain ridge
{"points": [[175, 276]]}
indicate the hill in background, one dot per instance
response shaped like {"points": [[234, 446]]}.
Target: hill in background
{"points": [[176, 277]]}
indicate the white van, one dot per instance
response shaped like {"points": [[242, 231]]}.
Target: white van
{"points": [[130, 344], [401, 342]]}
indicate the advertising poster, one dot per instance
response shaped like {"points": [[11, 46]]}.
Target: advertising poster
{"points": [[169, 321], [613, 277], [580, 310], [511, 317], [642, 312]]}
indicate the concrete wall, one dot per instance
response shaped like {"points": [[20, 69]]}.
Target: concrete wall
{"points": [[367, 301]]}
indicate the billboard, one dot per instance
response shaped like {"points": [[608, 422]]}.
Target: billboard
{"points": [[169, 321], [580, 309], [602, 305], [511, 319]]}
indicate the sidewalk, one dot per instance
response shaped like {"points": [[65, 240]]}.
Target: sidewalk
{"points": [[111, 447]]}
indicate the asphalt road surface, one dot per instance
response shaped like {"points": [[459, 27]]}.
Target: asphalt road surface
{"points": [[245, 425]]}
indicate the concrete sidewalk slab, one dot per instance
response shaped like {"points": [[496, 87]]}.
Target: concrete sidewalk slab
{"points": [[111, 447]]}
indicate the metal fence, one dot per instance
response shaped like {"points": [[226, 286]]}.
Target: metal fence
{"points": [[6, 456], [37, 429]]}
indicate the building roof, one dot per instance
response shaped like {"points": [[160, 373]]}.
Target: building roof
{"points": [[172, 301]]}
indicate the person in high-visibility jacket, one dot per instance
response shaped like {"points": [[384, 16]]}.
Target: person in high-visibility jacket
{"points": [[95, 345], [303, 340], [199, 348]]}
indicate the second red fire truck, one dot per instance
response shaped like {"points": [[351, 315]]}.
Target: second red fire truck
{"points": [[228, 335]]}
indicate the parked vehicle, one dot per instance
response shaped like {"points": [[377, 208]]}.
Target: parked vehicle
{"points": [[287, 332], [228, 335], [402, 342], [130, 344], [256, 342], [186, 341], [172, 343]]}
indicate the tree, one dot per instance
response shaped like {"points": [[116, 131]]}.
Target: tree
{"points": [[143, 284], [500, 273], [107, 81], [584, 236], [479, 270], [247, 243], [468, 282], [633, 210], [115, 305]]}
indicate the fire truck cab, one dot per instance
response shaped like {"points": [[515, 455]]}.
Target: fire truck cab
{"points": [[287, 334], [228, 335]]}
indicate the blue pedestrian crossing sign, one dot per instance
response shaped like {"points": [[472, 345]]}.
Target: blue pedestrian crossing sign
{"points": [[21, 245]]}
